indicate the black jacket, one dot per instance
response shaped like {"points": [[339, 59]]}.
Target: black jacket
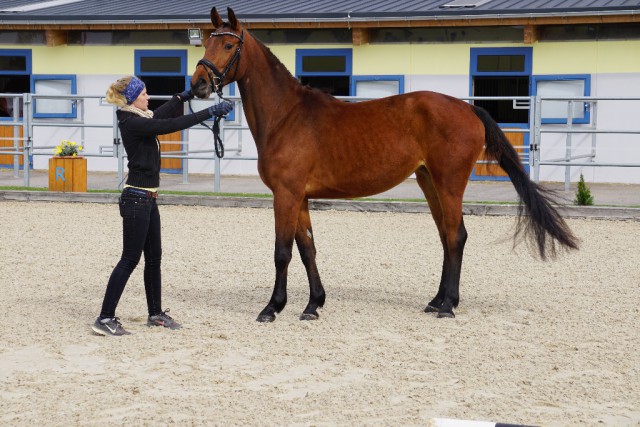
{"points": [[140, 142]]}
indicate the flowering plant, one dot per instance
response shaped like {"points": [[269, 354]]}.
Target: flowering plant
{"points": [[68, 148]]}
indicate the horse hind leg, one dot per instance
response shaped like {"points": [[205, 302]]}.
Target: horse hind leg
{"points": [[446, 210], [307, 249]]}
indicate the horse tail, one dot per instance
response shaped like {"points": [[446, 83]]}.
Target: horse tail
{"points": [[538, 221]]}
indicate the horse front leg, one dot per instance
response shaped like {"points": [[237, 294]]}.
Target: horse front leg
{"points": [[307, 249], [286, 208]]}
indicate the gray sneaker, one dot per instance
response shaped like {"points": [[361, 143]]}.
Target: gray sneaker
{"points": [[163, 319], [109, 327]]}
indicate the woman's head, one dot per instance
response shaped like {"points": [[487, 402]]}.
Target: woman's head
{"points": [[128, 90]]}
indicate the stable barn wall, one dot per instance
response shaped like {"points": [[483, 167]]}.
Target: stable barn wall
{"points": [[614, 67]]}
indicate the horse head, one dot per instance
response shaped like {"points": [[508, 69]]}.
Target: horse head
{"points": [[220, 64]]}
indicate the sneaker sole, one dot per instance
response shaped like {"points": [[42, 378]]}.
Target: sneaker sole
{"points": [[99, 332], [107, 334], [164, 326]]}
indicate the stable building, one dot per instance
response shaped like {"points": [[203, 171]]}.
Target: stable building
{"points": [[515, 50]]}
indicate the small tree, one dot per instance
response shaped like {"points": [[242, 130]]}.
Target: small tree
{"points": [[583, 195]]}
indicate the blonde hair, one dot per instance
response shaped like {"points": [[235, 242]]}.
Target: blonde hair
{"points": [[114, 93]]}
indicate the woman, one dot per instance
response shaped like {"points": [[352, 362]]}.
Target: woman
{"points": [[138, 208]]}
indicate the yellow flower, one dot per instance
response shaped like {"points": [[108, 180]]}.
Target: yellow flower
{"points": [[68, 148]]}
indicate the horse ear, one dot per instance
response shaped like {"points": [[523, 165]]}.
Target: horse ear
{"points": [[215, 18], [233, 21]]}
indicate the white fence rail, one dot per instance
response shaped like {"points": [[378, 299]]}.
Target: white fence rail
{"points": [[95, 126]]}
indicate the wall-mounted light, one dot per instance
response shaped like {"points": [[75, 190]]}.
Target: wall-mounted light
{"points": [[195, 36]]}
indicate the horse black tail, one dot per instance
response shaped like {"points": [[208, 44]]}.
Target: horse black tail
{"points": [[538, 220]]}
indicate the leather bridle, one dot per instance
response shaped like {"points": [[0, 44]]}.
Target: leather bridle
{"points": [[216, 78]]}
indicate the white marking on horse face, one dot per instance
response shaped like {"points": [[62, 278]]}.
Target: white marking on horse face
{"points": [[309, 234]]}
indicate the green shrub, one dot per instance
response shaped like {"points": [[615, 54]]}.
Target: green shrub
{"points": [[583, 195]]}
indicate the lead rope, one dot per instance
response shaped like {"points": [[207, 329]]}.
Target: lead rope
{"points": [[218, 145]]}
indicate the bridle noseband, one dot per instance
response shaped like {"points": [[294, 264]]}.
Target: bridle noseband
{"points": [[216, 78]]}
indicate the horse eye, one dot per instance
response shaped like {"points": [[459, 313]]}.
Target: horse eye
{"points": [[228, 46]]}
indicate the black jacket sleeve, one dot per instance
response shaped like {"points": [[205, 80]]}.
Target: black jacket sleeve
{"points": [[158, 126], [167, 109]]}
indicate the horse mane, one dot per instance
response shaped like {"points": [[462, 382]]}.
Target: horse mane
{"points": [[275, 63]]}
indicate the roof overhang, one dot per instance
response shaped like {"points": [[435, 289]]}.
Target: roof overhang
{"points": [[344, 21]]}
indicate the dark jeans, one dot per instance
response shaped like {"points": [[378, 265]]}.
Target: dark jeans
{"points": [[140, 234]]}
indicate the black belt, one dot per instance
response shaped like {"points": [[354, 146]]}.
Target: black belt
{"points": [[144, 193]]}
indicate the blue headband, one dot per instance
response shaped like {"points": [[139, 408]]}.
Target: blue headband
{"points": [[133, 89]]}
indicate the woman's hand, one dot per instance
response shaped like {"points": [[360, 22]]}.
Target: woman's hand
{"points": [[221, 109]]}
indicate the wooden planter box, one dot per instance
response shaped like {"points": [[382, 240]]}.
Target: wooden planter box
{"points": [[68, 173]]}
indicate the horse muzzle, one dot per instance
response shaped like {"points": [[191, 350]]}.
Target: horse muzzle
{"points": [[201, 88]]}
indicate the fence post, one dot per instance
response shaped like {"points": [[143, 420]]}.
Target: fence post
{"points": [[537, 135], [568, 149], [27, 132], [16, 136], [594, 124]]}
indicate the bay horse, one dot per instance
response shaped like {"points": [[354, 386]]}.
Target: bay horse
{"points": [[311, 145]]}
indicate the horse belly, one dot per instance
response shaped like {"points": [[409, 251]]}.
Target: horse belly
{"points": [[341, 180]]}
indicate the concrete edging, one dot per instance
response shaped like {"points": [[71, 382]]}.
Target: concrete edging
{"points": [[480, 209]]}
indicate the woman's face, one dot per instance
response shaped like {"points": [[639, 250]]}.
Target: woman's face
{"points": [[142, 101]]}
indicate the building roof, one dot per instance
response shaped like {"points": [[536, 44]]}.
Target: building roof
{"points": [[43, 12]]}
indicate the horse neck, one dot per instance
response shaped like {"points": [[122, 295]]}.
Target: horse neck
{"points": [[267, 89]]}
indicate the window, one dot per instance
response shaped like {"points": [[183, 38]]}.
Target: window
{"points": [[162, 71], [54, 85], [376, 86], [617, 31], [499, 72], [15, 77], [326, 69], [303, 36], [131, 38], [22, 37], [563, 86], [502, 72], [446, 35], [465, 3]]}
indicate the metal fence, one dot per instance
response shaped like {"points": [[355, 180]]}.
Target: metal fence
{"points": [[110, 145]]}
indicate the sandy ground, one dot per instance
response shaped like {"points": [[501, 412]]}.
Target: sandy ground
{"points": [[543, 343]]}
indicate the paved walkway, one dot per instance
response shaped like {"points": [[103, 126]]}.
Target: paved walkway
{"points": [[619, 197], [477, 191]]}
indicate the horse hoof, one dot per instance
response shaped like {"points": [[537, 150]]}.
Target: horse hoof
{"points": [[309, 316], [431, 309], [266, 318], [445, 315]]}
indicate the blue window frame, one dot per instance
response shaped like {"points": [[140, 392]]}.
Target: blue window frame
{"points": [[164, 73], [54, 84], [328, 70], [501, 61], [168, 62], [502, 72], [15, 74], [563, 85], [340, 62], [11, 67], [377, 86]]}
